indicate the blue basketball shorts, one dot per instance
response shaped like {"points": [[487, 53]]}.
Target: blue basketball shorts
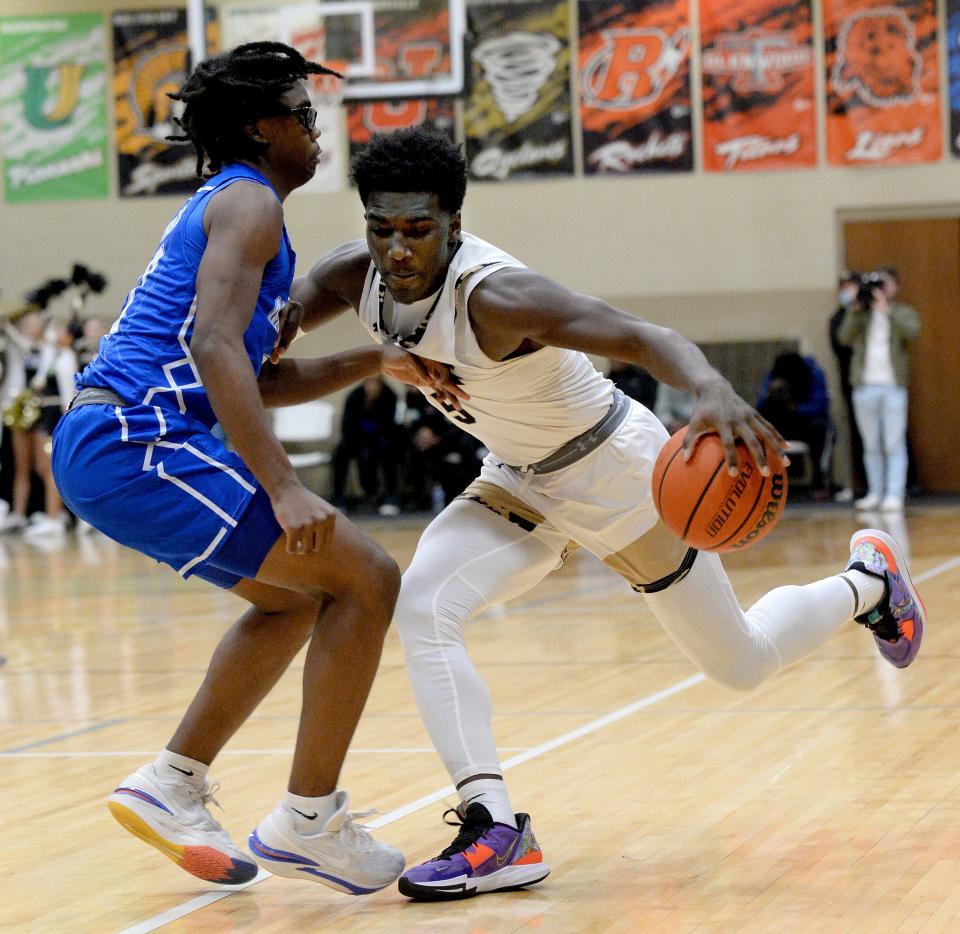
{"points": [[164, 486]]}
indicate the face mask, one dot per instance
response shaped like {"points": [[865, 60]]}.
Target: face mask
{"points": [[846, 297]]}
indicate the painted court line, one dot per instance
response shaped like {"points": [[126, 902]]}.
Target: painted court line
{"points": [[152, 753], [208, 898], [13, 750]]}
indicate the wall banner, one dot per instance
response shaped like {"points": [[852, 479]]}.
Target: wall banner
{"points": [[883, 104], [53, 107], [634, 79], [953, 44], [517, 115], [758, 85], [149, 62]]}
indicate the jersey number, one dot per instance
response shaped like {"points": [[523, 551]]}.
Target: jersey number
{"points": [[465, 417]]}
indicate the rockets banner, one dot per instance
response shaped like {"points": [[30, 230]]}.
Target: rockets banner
{"points": [[517, 113], [883, 102], [758, 85], [634, 78]]}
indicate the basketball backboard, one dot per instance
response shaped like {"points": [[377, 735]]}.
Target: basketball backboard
{"points": [[386, 48]]}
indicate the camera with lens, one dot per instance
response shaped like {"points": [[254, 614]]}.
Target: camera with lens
{"points": [[868, 284]]}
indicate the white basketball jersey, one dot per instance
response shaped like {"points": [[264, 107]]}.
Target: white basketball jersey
{"points": [[522, 409]]}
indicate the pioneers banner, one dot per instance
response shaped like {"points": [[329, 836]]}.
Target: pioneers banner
{"points": [[634, 78], [953, 44], [517, 114], [53, 107], [411, 43], [758, 85], [149, 62], [883, 102]]}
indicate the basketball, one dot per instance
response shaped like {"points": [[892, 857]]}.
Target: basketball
{"points": [[710, 510]]}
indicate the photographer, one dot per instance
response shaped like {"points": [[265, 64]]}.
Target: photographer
{"points": [[879, 333]]}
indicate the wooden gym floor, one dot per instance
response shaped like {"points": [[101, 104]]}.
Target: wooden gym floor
{"points": [[829, 798]]}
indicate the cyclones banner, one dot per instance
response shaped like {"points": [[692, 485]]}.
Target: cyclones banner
{"points": [[149, 61], [411, 43], [883, 105], [758, 85], [634, 78], [517, 115]]}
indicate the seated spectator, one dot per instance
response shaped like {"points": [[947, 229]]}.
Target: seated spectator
{"points": [[793, 398], [438, 454], [368, 435], [673, 407], [633, 381]]}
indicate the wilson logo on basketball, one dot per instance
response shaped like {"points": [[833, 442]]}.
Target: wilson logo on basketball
{"points": [[770, 515], [632, 67]]}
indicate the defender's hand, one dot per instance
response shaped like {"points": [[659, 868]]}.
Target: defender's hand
{"points": [[419, 371], [719, 409], [291, 315], [307, 520]]}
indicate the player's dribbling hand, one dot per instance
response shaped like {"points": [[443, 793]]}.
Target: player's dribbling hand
{"points": [[291, 315], [719, 409], [307, 520], [419, 371]]}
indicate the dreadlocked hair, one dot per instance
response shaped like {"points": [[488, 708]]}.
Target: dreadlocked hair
{"points": [[228, 92], [412, 160]]}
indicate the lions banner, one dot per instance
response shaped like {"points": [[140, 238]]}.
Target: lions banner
{"points": [[411, 43], [53, 107], [953, 44], [517, 115], [149, 62], [758, 85], [634, 78], [883, 104]]}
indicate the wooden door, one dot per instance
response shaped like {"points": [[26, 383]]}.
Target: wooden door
{"points": [[926, 253]]}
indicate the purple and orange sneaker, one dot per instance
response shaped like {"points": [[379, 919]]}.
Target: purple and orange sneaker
{"points": [[897, 621], [485, 857]]}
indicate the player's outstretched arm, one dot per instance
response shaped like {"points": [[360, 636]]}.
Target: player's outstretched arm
{"points": [[243, 224], [334, 284], [517, 309]]}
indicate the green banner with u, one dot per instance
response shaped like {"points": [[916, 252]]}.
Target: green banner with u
{"points": [[53, 107]]}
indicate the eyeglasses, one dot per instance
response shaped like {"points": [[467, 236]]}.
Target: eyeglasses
{"points": [[306, 115]]}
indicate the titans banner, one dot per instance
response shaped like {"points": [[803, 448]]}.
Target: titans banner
{"points": [[411, 43], [953, 44], [883, 105], [634, 81], [758, 85], [149, 61], [517, 115]]}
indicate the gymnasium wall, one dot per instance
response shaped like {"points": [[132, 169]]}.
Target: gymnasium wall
{"points": [[717, 256]]}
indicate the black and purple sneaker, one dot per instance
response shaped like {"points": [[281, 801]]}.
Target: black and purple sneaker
{"points": [[897, 621], [485, 857]]}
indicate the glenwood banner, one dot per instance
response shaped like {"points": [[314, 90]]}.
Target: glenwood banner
{"points": [[758, 85], [53, 107], [149, 62], [634, 77], [517, 114], [883, 100]]}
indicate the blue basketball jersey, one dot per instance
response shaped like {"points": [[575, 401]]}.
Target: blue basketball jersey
{"points": [[146, 356]]}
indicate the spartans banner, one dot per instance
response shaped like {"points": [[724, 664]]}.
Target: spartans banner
{"points": [[517, 115], [634, 79], [758, 85], [149, 62], [953, 44], [53, 107], [883, 97]]}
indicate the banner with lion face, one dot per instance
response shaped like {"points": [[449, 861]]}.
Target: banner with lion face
{"points": [[883, 97]]}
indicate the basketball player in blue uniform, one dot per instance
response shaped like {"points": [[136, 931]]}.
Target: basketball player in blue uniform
{"points": [[137, 457], [570, 462]]}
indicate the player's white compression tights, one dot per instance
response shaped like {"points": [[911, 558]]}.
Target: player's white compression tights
{"points": [[470, 558]]}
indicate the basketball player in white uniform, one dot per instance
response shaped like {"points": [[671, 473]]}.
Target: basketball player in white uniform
{"points": [[570, 462]]}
